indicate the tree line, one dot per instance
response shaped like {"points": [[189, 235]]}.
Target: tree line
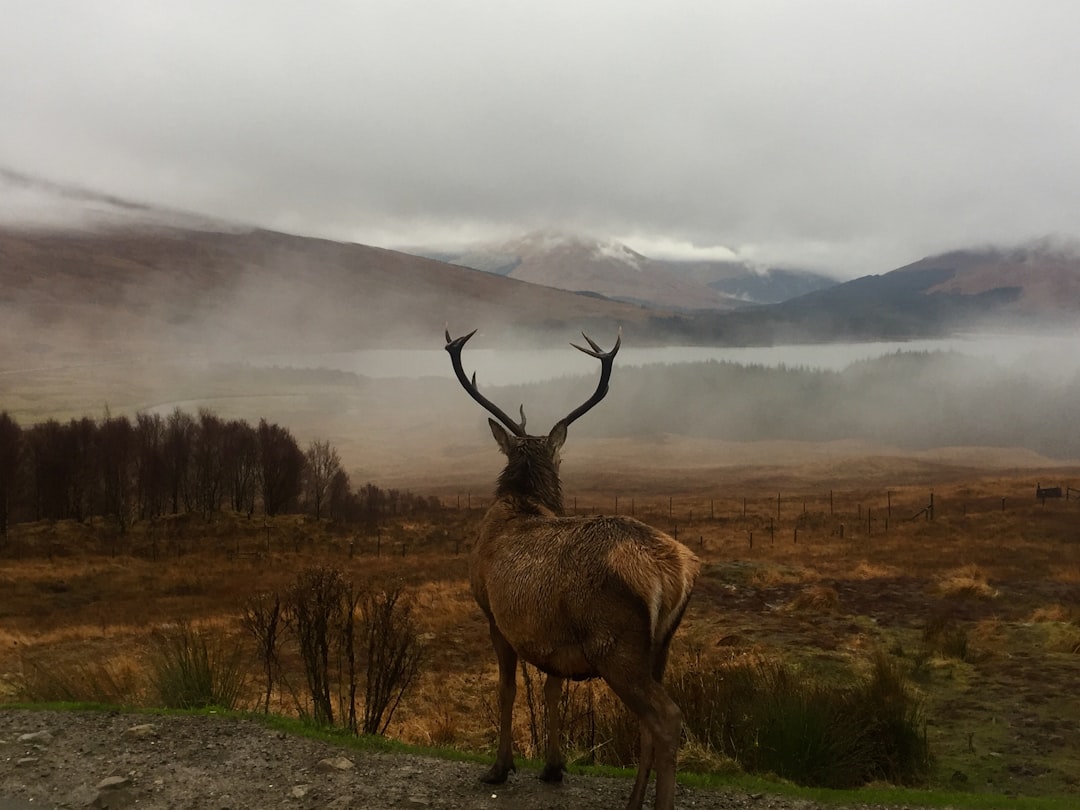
{"points": [[125, 470]]}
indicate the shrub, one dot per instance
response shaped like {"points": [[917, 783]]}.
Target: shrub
{"points": [[769, 718], [351, 640], [192, 669], [262, 617], [394, 654]]}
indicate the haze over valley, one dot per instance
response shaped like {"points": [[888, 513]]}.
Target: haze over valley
{"points": [[131, 308]]}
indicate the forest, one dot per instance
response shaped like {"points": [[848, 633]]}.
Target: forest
{"points": [[123, 470]]}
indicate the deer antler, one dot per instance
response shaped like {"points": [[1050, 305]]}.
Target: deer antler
{"points": [[454, 347], [606, 360]]}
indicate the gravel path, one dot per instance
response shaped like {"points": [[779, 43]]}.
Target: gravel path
{"points": [[113, 760]]}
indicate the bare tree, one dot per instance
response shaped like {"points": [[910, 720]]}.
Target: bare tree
{"points": [[49, 469], [241, 465], [323, 463], [179, 442], [10, 457], [116, 459], [281, 465], [151, 482], [339, 497]]}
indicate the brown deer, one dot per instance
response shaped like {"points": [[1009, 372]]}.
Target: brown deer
{"points": [[577, 597]]}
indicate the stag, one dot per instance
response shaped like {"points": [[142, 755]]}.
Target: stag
{"points": [[577, 597]]}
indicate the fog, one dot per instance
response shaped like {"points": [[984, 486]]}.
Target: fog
{"points": [[911, 400], [847, 137], [1050, 354]]}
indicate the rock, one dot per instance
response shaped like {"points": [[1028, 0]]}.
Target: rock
{"points": [[140, 731], [335, 764], [114, 783], [37, 737], [26, 761], [299, 791]]}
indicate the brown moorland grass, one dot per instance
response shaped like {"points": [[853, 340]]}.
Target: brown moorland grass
{"points": [[979, 605]]}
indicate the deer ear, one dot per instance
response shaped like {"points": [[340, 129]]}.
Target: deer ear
{"points": [[501, 436], [557, 435]]}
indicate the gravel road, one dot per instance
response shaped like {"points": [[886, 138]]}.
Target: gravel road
{"points": [[115, 760]]}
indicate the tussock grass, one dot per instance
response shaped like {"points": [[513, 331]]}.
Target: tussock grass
{"points": [[114, 683], [195, 668], [967, 582]]}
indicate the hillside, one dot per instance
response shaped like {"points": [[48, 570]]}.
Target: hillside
{"points": [[1034, 286], [86, 277], [614, 270], [129, 291], [578, 263]]}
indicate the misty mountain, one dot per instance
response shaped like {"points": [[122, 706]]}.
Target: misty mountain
{"points": [[611, 269], [1032, 286], [136, 290], [607, 268], [1035, 283], [85, 277], [770, 285]]}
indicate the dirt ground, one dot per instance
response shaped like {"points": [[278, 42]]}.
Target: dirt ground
{"points": [[114, 760]]}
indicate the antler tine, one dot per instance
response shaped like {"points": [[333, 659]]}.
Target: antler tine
{"points": [[606, 359], [454, 347]]}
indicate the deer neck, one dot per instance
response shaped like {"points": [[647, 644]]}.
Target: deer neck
{"points": [[526, 481]]}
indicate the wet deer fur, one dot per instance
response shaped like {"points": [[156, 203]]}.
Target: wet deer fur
{"points": [[577, 597]]}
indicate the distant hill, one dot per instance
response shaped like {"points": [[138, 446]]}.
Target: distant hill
{"points": [[1032, 286], [86, 277], [582, 264], [66, 295], [610, 268], [1038, 283], [769, 285]]}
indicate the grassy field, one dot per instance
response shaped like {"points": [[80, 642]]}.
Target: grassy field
{"points": [[979, 605]]}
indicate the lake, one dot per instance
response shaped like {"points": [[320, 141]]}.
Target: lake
{"points": [[1054, 355]]}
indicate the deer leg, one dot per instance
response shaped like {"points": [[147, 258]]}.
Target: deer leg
{"points": [[645, 760], [554, 763], [504, 759], [661, 723]]}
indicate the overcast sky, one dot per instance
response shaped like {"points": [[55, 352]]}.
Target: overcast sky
{"points": [[851, 137]]}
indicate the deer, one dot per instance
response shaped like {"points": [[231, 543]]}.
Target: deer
{"points": [[578, 597]]}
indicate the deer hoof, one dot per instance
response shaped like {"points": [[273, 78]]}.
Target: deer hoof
{"points": [[552, 774], [497, 775]]}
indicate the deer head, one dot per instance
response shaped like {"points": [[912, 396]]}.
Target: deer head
{"points": [[532, 467]]}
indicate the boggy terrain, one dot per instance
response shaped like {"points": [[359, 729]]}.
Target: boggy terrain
{"points": [[945, 562]]}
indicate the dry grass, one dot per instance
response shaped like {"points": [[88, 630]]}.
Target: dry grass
{"points": [[979, 604]]}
